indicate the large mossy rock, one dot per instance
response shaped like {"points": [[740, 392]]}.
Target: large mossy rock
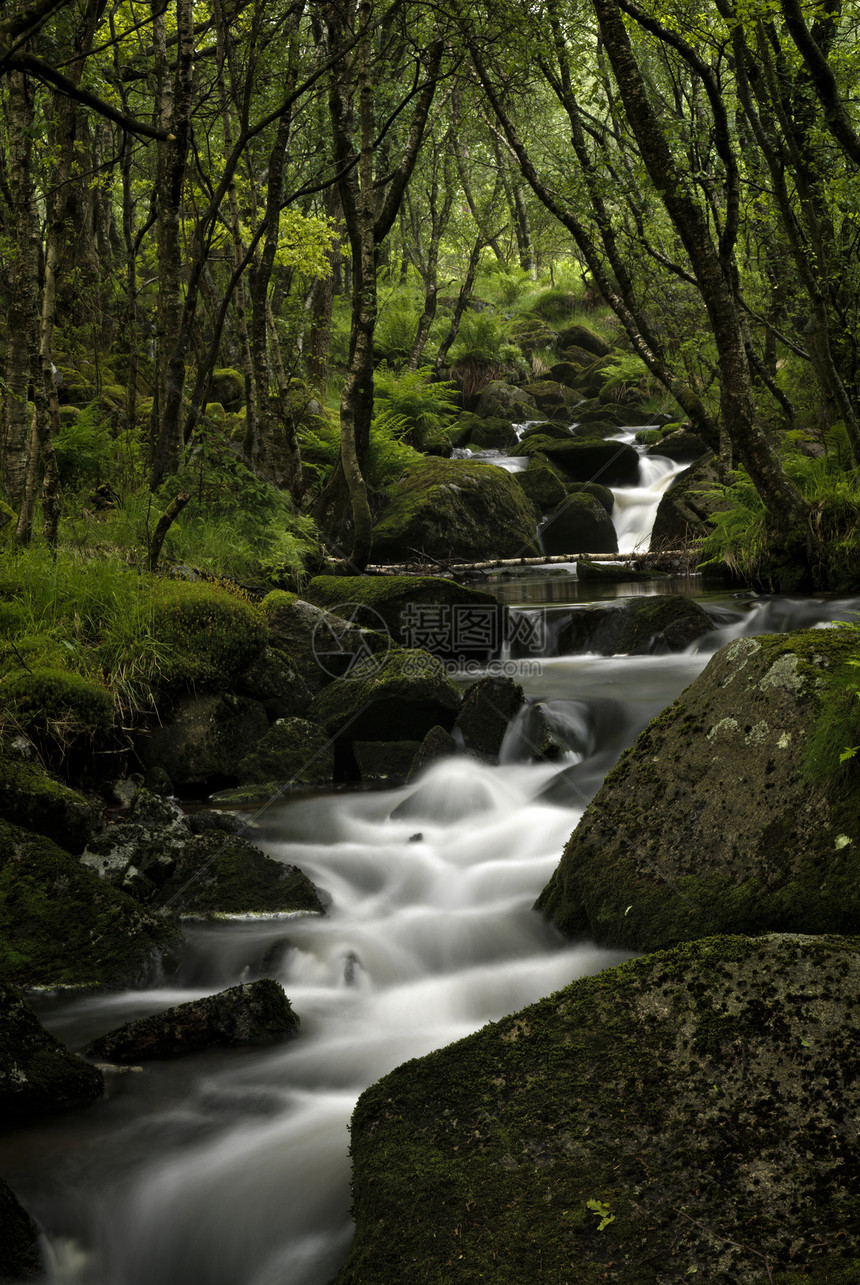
{"points": [[650, 625], [542, 486], [580, 524], [686, 1116], [252, 1015], [274, 680], [554, 399], [583, 337], [445, 618], [20, 1257], [586, 459], [455, 509], [38, 1074], [499, 400], [204, 739], [32, 798], [60, 925], [323, 645], [488, 708], [400, 698], [293, 752], [684, 510], [728, 812]]}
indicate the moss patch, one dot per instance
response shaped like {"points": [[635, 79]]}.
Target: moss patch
{"points": [[691, 1114]]}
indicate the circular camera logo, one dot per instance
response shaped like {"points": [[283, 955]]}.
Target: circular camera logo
{"points": [[350, 635]]}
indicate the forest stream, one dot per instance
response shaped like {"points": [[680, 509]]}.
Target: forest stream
{"points": [[233, 1168]]}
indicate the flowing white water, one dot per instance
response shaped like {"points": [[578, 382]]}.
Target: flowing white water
{"points": [[232, 1168]]}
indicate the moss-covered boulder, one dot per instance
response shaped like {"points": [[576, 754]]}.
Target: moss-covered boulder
{"points": [[611, 573], [682, 445], [397, 699], [204, 739], [688, 1115], [253, 1015], [437, 745], [553, 399], [227, 387], [60, 925], [156, 858], [492, 434], [322, 644], [585, 459], [580, 336], [651, 625], [38, 1074], [488, 708], [20, 1257], [729, 811], [211, 634], [684, 511], [32, 798], [293, 752], [447, 619], [542, 486], [223, 874], [499, 400], [57, 703], [274, 680], [454, 509], [580, 524]]}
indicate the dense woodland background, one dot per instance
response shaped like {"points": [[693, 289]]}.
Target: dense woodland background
{"points": [[253, 255]]}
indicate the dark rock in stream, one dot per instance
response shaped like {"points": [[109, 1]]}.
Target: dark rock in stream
{"points": [[685, 508], [653, 624], [250, 1016], [580, 524], [488, 707], [691, 1114], [729, 811], [20, 1258], [38, 1074]]}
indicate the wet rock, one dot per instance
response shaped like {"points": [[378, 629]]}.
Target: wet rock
{"points": [[717, 818], [492, 434], [20, 1258], [685, 508], [251, 1016], [437, 744], [580, 524], [635, 626], [323, 644], [214, 819], [499, 400], [399, 699], [454, 509], [554, 399], [447, 619], [274, 681], [32, 798], [690, 1113], [611, 573], [38, 1074], [223, 874], [204, 738], [293, 751], [388, 761], [61, 925], [683, 446], [583, 459], [542, 486], [488, 707]]}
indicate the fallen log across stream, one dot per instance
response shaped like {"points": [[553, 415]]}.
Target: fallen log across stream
{"points": [[675, 561]]}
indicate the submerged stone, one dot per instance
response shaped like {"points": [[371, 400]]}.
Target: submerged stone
{"points": [[689, 1115]]}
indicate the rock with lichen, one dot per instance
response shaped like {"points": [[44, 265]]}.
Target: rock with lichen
{"points": [[687, 1115], [38, 1075], [730, 812]]}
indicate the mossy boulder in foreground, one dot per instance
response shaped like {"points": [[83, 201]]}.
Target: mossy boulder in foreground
{"points": [[31, 797], [691, 1115], [38, 1074], [455, 509], [729, 812], [60, 925]]}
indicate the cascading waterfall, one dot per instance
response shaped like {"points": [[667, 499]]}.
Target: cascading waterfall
{"points": [[232, 1168]]}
